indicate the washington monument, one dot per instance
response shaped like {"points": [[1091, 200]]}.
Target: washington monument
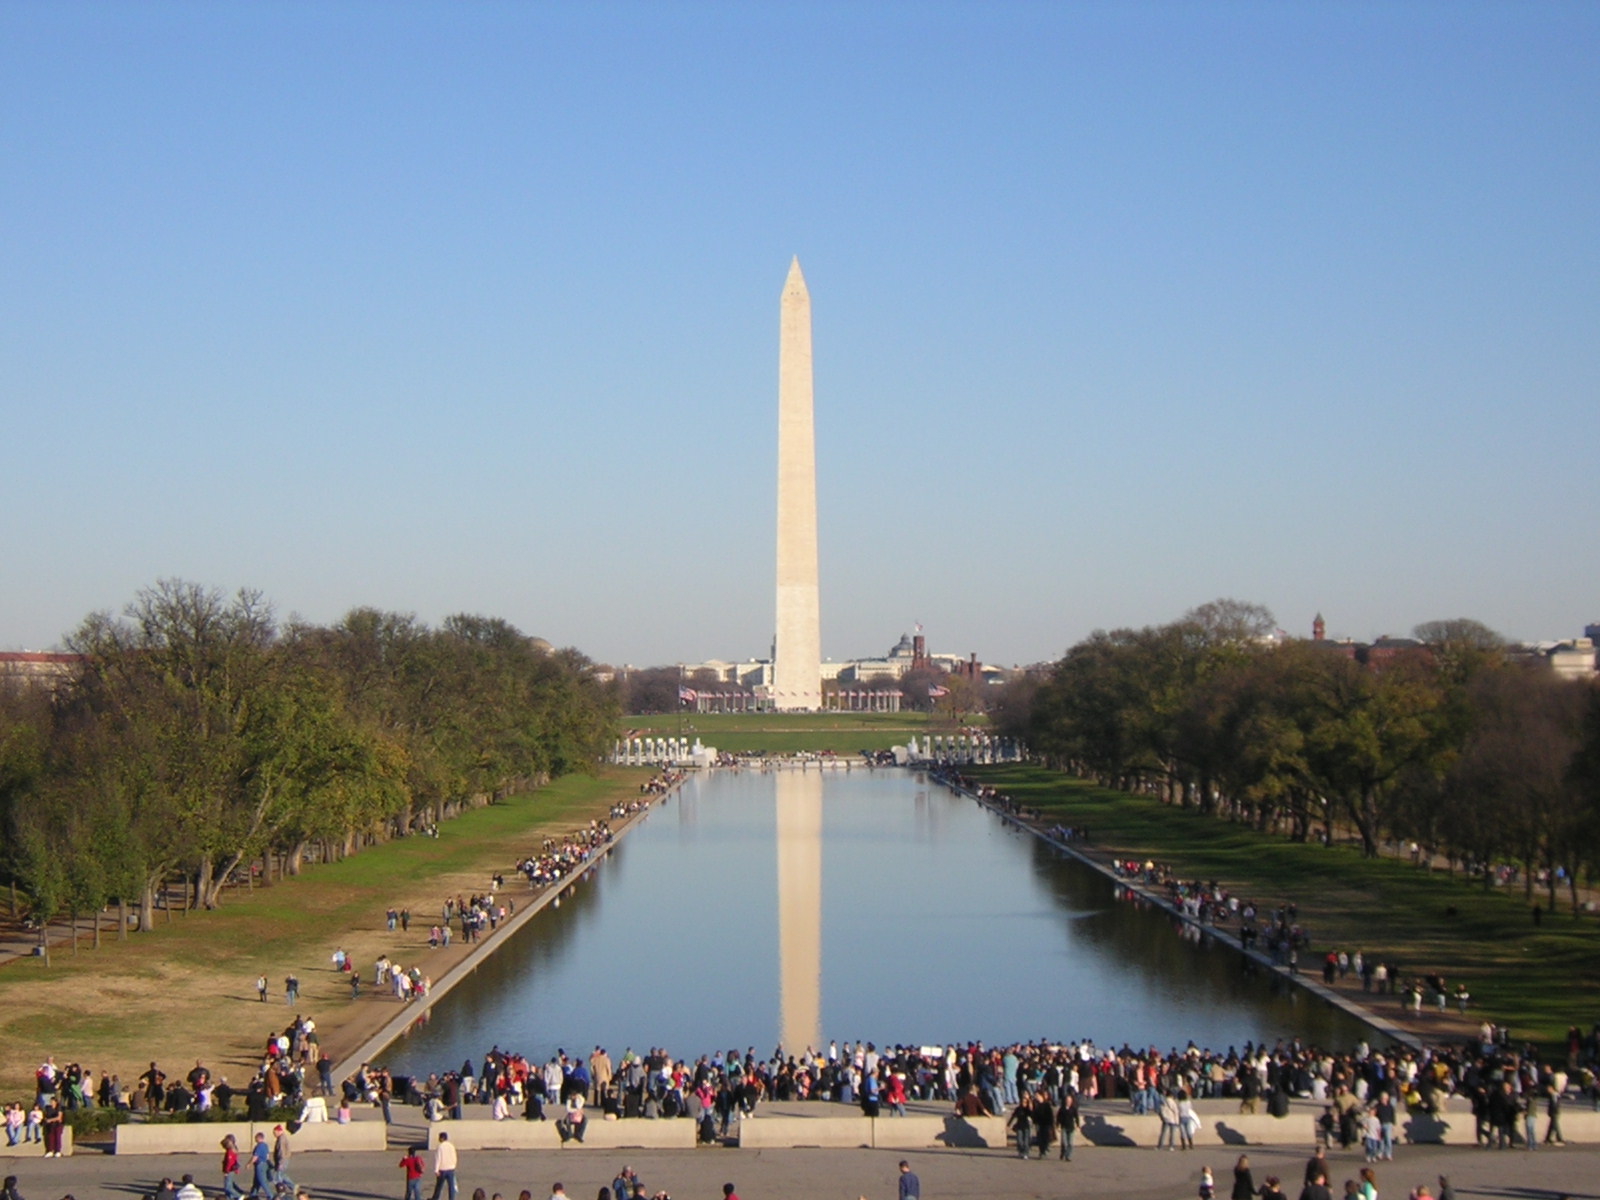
{"points": [[797, 648]]}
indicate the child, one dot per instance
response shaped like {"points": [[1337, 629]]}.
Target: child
{"points": [[1208, 1185]]}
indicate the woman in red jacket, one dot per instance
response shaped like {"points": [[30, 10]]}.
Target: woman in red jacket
{"points": [[230, 1168]]}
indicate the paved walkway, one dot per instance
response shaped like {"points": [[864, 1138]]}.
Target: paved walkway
{"points": [[849, 1174]]}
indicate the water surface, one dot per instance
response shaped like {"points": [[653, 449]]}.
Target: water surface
{"points": [[906, 914]]}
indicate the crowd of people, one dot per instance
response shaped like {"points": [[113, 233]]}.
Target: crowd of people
{"points": [[1046, 1092], [561, 857], [1364, 1095]]}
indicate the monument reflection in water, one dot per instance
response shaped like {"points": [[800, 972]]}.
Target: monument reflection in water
{"points": [[795, 906], [799, 817]]}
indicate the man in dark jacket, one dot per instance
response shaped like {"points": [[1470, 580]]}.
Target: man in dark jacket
{"points": [[1317, 1188]]}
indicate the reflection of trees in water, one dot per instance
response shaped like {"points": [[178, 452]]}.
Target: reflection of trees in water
{"points": [[1142, 945], [466, 1017], [934, 920]]}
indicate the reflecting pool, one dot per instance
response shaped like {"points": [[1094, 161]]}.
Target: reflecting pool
{"points": [[756, 908]]}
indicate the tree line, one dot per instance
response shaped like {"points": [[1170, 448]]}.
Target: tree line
{"points": [[1449, 741], [201, 734]]}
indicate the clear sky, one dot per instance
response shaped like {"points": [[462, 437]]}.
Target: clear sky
{"points": [[1117, 308]]}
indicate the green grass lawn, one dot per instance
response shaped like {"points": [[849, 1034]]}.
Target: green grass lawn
{"points": [[328, 898], [1536, 980]]}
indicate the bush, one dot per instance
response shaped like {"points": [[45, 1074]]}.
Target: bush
{"points": [[87, 1121], [193, 1117]]}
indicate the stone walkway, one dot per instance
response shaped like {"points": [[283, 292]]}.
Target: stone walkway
{"points": [[849, 1174]]}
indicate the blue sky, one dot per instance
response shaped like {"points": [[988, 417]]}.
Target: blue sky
{"points": [[1117, 308]]}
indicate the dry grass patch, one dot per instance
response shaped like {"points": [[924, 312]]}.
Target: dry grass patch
{"points": [[186, 989]]}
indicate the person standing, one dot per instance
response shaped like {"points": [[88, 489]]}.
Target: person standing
{"points": [[412, 1165], [1188, 1121], [55, 1121], [1385, 1112], [154, 1081], [444, 1167], [910, 1185], [1168, 1112], [600, 1073], [261, 987]]}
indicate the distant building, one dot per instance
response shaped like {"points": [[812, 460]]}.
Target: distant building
{"points": [[38, 668], [1574, 659], [870, 684], [1386, 651]]}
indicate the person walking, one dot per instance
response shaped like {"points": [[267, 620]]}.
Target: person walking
{"points": [[260, 1168], [412, 1165], [1044, 1123], [444, 1167], [1244, 1184], [1555, 1086], [1068, 1119], [230, 1168], [1022, 1125], [280, 1157]]}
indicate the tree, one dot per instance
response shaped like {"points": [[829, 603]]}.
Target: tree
{"points": [[1231, 622], [652, 690], [198, 737], [1012, 708], [25, 722], [1514, 788], [917, 685], [1367, 728], [173, 687]]}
